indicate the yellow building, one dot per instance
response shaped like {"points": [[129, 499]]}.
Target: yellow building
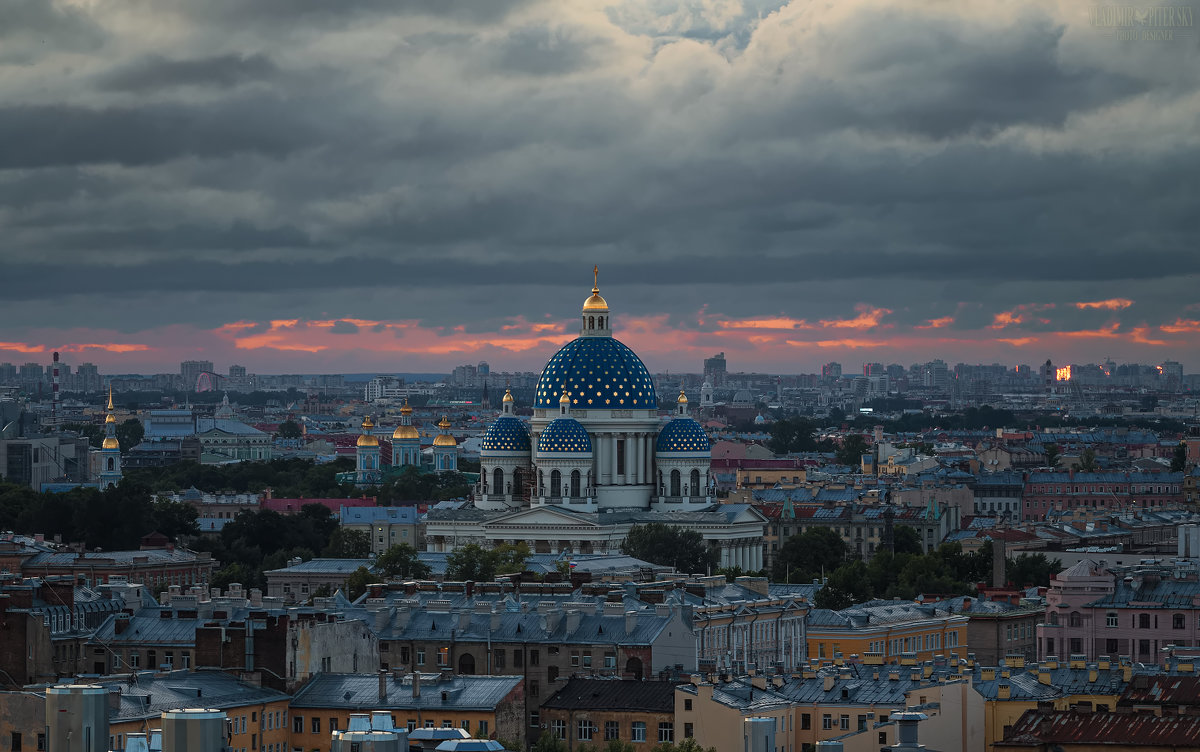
{"points": [[1010, 691], [485, 706], [887, 631]]}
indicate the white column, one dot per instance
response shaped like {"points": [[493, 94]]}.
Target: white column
{"points": [[612, 460], [641, 455]]}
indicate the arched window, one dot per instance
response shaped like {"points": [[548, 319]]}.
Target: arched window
{"points": [[1143, 621], [695, 484], [674, 483], [518, 482], [575, 478], [497, 481], [633, 668], [601, 320], [555, 484], [110, 464], [591, 322], [466, 664], [1053, 619], [1075, 619]]}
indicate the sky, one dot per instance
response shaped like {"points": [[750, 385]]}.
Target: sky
{"points": [[401, 186]]}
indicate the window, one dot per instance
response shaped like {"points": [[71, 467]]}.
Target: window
{"points": [[687, 704], [883, 738], [587, 659], [447, 724], [1075, 619], [316, 725], [688, 732], [483, 728], [845, 722], [1177, 621], [1143, 621], [826, 721], [574, 657], [518, 659], [1076, 645], [443, 656], [16, 741], [805, 721], [637, 731], [612, 730], [584, 730], [466, 726], [533, 658], [499, 658], [534, 719], [862, 723], [1110, 620], [420, 656], [666, 732], [610, 659], [41, 742], [412, 725], [534, 689], [1110, 647], [558, 727], [620, 456]]}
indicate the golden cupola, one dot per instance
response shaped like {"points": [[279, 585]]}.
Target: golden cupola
{"points": [[368, 439], [444, 439], [406, 430], [110, 427], [596, 303]]}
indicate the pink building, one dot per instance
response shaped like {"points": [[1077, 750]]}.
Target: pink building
{"points": [[293, 506], [1107, 490], [1093, 612]]}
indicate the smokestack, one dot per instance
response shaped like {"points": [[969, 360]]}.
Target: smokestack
{"points": [[383, 684], [193, 730], [54, 396], [998, 563], [76, 718], [416, 684]]}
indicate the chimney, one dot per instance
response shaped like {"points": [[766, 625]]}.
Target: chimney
{"points": [[828, 682], [383, 685], [630, 622], [906, 730], [416, 684], [1093, 674], [1043, 677], [574, 617], [704, 692], [1003, 692]]}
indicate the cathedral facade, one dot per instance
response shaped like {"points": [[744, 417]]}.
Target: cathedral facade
{"points": [[596, 442]]}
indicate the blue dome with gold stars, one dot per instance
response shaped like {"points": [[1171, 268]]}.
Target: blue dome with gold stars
{"points": [[564, 435], [682, 435], [506, 434], [598, 373]]}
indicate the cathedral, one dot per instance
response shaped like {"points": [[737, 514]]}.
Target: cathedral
{"points": [[596, 442], [596, 459]]}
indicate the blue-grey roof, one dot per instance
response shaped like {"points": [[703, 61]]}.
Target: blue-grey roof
{"points": [[361, 691], [327, 566], [406, 515], [226, 425], [596, 373], [71, 558]]}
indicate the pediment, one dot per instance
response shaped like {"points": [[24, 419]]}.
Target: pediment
{"points": [[538, 516]]}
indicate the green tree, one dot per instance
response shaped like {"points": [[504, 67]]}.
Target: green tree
{"points": [[1031, 569], [130, 433], [547, 742], [234, 572], [852, 449], [906, 540], [348, 544], [471, 562], [849, 584], [401, 560], [685, 550], [1179, 458], [794, 434], [90, 431], [509, 558], [811, 554], [1087, 461], [356, 583], [1053, 453], [290, 429], [174, 518]]}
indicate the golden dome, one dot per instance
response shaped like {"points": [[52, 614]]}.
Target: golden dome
{"points": [[508, 396], [110, 443], [595, 303], [406, 432], [110, 418], [406, 410], [444, 439], [564, 399], [368, 439], [682, 398]]}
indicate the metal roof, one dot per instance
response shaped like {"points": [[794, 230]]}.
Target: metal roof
{"points": [[361, 691]]}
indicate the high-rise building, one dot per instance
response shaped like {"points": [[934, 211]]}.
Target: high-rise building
{"points": [[831, 371], [237, 372], [873, 369], [714, 369], [32, 373], [190, 370]]}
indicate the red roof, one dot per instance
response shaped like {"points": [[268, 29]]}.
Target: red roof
{"points": [[1113, 730]]}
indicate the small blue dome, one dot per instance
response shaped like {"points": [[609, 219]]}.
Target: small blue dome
{"points": [[564, 435], [682, 435], [598, 373], [506, 434]]}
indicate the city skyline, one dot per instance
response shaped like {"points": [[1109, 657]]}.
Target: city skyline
{"points": [[387, 187]]}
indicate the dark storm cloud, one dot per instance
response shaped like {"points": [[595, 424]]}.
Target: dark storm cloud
{"points": [[156, 72], [344, 327], [56, 135], [456, 162], [33, 29]]}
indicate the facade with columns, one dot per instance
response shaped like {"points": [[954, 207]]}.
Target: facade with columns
{"points": [[596, 459]]}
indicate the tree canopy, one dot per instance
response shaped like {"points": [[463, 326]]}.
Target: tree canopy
{"points": [[401, 561], [474, 562], [809, 555], [670, 546]]}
